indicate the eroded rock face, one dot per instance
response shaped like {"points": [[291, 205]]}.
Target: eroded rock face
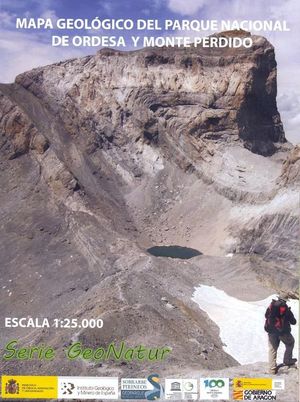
{"points": [[291, 167], [105, 156], [160, 94], [17, 129]]}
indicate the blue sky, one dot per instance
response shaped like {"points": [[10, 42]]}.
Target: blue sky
{"points": [[23, 50]]}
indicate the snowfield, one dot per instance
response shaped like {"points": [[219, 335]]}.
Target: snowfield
{"points": [[241, 323]]}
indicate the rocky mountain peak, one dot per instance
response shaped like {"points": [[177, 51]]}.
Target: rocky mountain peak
{"points": [[190, 95]]}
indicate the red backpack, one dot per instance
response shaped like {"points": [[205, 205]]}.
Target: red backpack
{"points": [[275, 316]]}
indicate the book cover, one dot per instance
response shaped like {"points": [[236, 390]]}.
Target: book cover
{"points": [[149, 193]]}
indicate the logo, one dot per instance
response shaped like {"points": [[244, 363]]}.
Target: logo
{"points": [[214, 388], [141, 388], [175, 386], [29, 387], [181, 389], [278, 384], [88, 387], [12, 387], [67, 388], [188, 386], [238, 395], [254, 395], [258, 384], [256, 389]]}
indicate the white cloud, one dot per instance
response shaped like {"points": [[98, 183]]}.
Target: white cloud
{"points": [[23, 51], [289, 106], [36, 5], [186, 7], [49, 14], [106, 6], [7, 20], [12, 4], [153, 6]]}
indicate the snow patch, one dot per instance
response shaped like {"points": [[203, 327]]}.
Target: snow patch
{"points": [[241, 323]]}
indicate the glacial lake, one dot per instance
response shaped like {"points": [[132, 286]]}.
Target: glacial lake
{"points": [[174, 252]]}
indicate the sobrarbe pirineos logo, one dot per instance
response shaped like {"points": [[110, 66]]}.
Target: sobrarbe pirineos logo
{"points": [[157, 391], [12, 387], [142, 388]]}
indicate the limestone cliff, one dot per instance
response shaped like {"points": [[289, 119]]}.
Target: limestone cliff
{"points": [[187, 96]]}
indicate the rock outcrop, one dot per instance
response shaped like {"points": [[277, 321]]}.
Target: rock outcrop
{"points": [[291, 167], [107, 155], [188, 96]]}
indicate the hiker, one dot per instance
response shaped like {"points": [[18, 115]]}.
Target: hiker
{"points": [[279, 318]]}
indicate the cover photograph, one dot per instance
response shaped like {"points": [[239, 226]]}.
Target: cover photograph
{"points": [[149, 200]]}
